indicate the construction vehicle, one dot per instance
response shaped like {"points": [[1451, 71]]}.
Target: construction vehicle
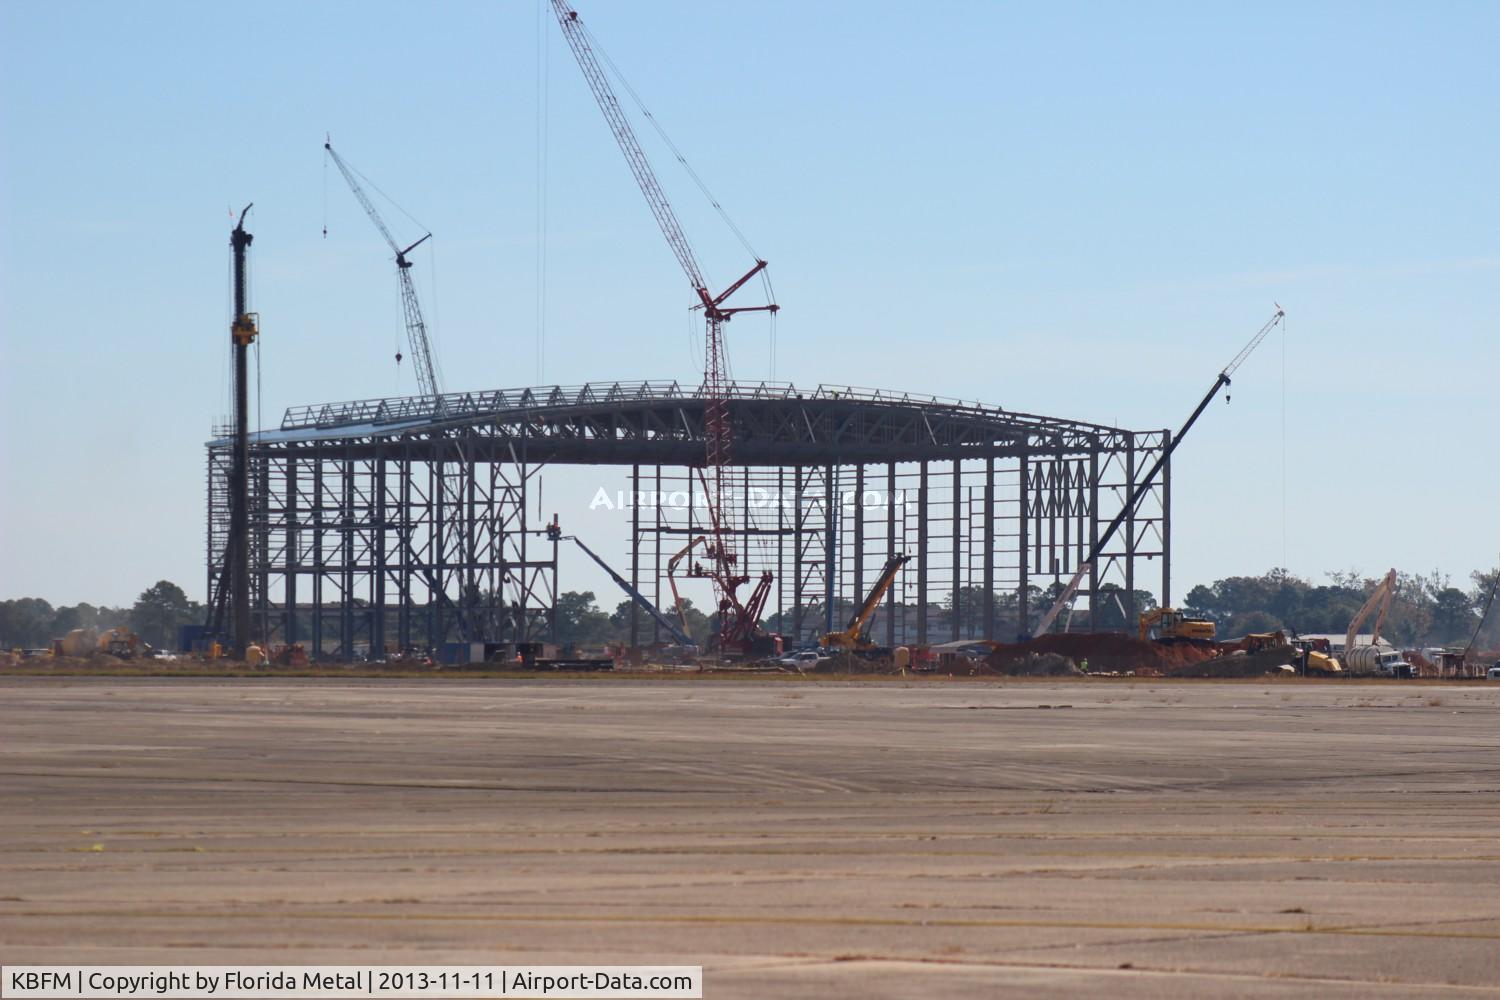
{"points": [[1315, 656], [122, 642], [853, 636], [294, 655], [679, 635], [739, 619], [1374, 658], [1171, 625], [672, 565], [1139, 492], [78, 642]]}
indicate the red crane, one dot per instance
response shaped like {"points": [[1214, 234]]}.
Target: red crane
{"points": [[737, 619]]}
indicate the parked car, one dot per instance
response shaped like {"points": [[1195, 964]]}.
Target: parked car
{"points": [[1494, 673], [801, 660]]}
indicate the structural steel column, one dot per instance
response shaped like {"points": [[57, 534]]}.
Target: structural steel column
{"points": [[292, 548], [859, 532], [781, 550], [470, 598], [890, 551], [346, 584], [922, 555], [1023, 549], [955, 599], [1132, 612], [377, 544], [797, 553], [989, 547], [317, 554], [403, 534], [1166, 521], [1094, 604], [656, 507], [635, 553], [830, 543]]}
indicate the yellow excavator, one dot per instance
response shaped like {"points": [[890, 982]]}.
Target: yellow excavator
{"points": [[1171, 625], [853, 637]]}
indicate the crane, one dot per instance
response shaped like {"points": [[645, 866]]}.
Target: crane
{"points": [[428, 382], [852, 637], [1381, 599], [1136, 494], [737, 623]]}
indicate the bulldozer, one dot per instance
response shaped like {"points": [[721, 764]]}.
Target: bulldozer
{"points": [[1171, 625]]}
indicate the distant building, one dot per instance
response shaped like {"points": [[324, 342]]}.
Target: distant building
{"points": [[1336, 639]]}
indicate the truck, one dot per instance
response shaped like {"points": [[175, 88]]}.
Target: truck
{"points": [[1380, 661]]}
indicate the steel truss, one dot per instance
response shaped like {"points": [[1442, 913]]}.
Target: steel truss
{"points": [[398, 523]]}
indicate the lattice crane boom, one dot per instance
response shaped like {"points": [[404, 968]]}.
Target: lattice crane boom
{"points": [[737, 619], [1139, 491], [428, 381]]}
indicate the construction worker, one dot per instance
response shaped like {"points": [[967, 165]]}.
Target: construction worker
{"points": [[1084, 664]]}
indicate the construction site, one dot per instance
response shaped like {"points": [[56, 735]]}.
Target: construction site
{"points": [[900, 696], [412, 529]]}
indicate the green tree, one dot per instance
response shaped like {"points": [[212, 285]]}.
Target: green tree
{"points": [[26, 622], [1487, 605], [1453, 617], [160, 611], [579, 619]]}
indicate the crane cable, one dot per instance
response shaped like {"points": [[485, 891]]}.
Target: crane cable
{"points": [[1283, 446], [435, 340], [543, 106], [765, 275], [437, 375], [594, 44], [1485, 614]]}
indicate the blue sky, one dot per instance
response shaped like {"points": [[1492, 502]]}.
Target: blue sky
{"points": [[1082, 210]]}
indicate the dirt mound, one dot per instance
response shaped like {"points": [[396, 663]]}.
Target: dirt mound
{"points": [[1267, 661], [1104, 651], [1041, 665], [853, 663]]}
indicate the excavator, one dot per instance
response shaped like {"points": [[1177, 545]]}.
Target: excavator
{"points": [[853, 637], [1373, 659], [1171, 625]]}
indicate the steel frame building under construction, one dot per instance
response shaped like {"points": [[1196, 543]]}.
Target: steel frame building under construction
{"points": [[400, 523]]}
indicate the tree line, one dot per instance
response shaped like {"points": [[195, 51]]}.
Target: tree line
{"points": [[1427, 610], [156, 616]]}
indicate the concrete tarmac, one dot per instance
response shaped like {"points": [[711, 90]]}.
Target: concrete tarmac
{"points": [[796, 838]]}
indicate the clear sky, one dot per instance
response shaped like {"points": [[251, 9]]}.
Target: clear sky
{"points": [[1075, 209]]}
